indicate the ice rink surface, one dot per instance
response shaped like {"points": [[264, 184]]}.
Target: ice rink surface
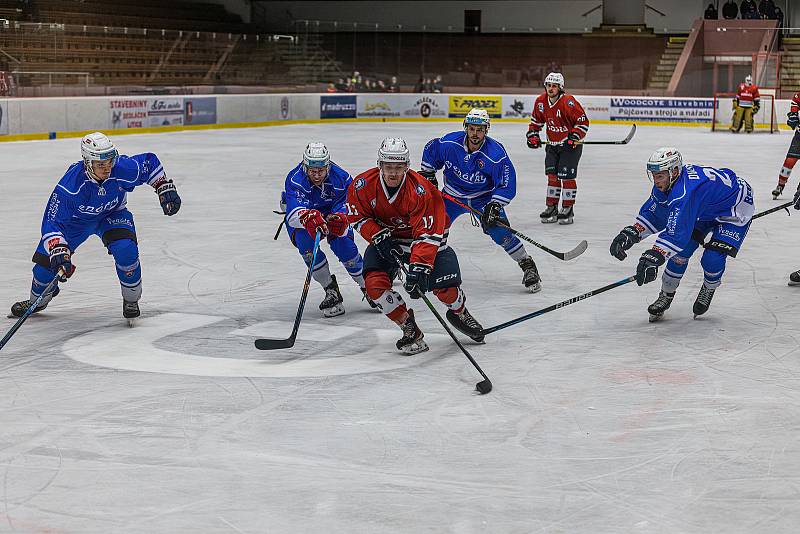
{"points": [[599, 421]]}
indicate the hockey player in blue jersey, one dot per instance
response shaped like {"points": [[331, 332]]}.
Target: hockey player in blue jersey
{"points": [[479, 173], [315, 198], [91, 200], [687, 203]]}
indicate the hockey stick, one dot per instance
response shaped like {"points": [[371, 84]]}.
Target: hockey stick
{"points": [[271, 344], [621, 142], [278, 231], [564, 256], [30, 310], [784, 206], [561, 304], [484, 386]]}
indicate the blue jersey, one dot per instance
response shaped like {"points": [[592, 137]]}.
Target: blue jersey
{"points": [[700, 194], [78, 202], [467, 175], [300, 194]]}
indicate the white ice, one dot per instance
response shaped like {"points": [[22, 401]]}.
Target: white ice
{"points": [[599, 421]]}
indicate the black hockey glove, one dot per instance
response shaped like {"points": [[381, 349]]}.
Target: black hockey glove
{"points": [[534, 141], [756, 107], [573, 140], [386, 247], [792, 120], [417, 280], [168, 196], [61, 261], [628, 237], [797, 198], [431, 177], [649, 262], [491, 216]]}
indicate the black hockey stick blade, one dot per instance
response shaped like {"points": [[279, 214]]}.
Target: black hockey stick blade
{"points": [[272, 344]]}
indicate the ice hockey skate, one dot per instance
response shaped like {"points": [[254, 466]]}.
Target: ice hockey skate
{"points": [[661, 304], [566, 215], [411, 342], [130, 311], [465, 323], [530, 275], [549, 215], [777, 191], [703, 301], [18, 309], [794, 278], [331, 305]]}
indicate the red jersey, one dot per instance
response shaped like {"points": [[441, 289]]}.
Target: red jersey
{"points": [[415, 213], [747, 94], [795, 103], [561, 118]]}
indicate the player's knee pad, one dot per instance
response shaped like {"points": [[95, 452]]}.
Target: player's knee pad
{"points": [[125, 252], [355, 265], [553, 181], [391, 304], [377, 282], [452, 297], [713, 262]]}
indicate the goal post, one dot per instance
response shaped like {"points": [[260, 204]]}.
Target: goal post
{"points": [[763, 121]]}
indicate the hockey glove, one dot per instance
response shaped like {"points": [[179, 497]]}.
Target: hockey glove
{"points": [[337, 224], [168, 196], [573, 140], [756, 107], [797, 198], [792, 120], [386, 247], [312, 221], [628, 237], [649, 262], [431, 177], [417, 280], [534, 141], [491, 215], [61, 261]]}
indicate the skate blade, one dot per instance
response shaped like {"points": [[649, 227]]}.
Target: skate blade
{"points": [[790, 283], [655, 318], [415, 348], [549, 220], [334, 311], [131, 322], [565, 221], [535, 288]]}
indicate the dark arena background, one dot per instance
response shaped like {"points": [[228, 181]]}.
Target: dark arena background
{"points": [[573, 406]]}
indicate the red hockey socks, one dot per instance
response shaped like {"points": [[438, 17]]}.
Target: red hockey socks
{"points": [[569, 193], [553, 190], [786, 170]]}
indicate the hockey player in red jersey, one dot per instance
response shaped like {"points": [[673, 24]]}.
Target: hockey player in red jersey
{"points": [[402, 217], [793, 121], [746, 104], [566, 126]]}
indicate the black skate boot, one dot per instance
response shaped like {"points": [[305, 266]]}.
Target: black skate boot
{"points": [[18, 309], [530, 275], [661, 304], [369, 300], [777, 191], [549, 215], [465, 323], [411, 342], [130, 311], [794, 279], [703, 301], [565, 215], [331, 305]]}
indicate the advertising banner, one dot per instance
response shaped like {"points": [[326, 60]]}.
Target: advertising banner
{"points": [[460, 105], [644, 109], [337, 107], [402, 106], [3, 117], [128, 112], [517, 106], [165, 111], [200, 111]]}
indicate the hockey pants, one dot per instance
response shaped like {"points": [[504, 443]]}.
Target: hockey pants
{"points": [[740, 113]]}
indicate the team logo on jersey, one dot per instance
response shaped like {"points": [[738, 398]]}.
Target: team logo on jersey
{"points": [[570, 103], [480, 164], [359, 184], [101, 191], [466, 158], [420, 190], [372, 203], [540, 105]]}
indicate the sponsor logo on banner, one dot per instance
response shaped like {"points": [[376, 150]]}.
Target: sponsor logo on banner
{"points": [[200, 111], [425, 107], [165, 112], [517, 107], [337, 107], [285, 107], [377, 106], [459, 105], [128, 113], [661, 109]]}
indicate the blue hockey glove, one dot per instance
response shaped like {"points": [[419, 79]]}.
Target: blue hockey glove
{"points": [[628, 237], [792, 120], [491, 216], [168, 196], [386, 247], [61, 261], [573, 140], [797, 198], [431, 177], [649, 262], [417, 280]]}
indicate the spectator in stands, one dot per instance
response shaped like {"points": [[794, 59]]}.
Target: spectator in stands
{"points": [[331, 88], [381, 88], [766, 9], [394, 87], [779, 16], [749, 10], [419, 84], [340, 85], [730, 10], [711, 12], [437, 86]]}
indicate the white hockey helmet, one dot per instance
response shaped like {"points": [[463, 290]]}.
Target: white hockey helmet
{"points": [[97, 147], [556, 78], [748, 80], [663, 159], [316, 155], [393, 150], [477, 116]]}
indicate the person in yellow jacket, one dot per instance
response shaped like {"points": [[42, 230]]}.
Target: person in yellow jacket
{"points": [[746, 104]]}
